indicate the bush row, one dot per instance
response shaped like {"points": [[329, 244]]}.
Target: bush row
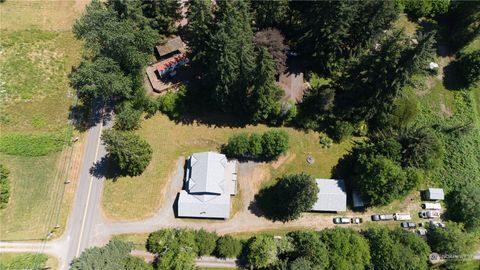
{"points": [[267, 146]]}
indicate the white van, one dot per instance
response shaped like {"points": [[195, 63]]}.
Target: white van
{"points": [[431, 206], [402, 216]]}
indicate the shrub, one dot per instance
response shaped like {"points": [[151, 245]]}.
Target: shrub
{"points": [[173, 103], [274, 143], [297, 192], [238, 145], [325, 141], [255, 147], [4, 186], [341, 131], [31, 145], [228, 247], [206, 242], [268, 146]]}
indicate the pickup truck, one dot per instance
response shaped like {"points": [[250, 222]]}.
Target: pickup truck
{"points": [[402, 216], [341, 220], [429, 214]]}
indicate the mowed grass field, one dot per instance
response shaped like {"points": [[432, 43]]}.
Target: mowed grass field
{"points": [[15, 261], [38, 51], [139, 197]]}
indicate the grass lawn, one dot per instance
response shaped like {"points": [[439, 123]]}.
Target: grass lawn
{"points": [[38, 52], [139, 197], [15, 261], [138, 239]]}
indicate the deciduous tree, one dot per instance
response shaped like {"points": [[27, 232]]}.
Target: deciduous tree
{"points": [[261, 251], [176, 248], [101, 78], [128, 150], [297, 192], [389, 248]]}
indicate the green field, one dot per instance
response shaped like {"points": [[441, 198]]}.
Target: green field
{"points": [[16, 261], [171, 140], [38, 52]]}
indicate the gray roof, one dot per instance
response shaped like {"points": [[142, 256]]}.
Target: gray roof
{"points": [[332, 196], [203, 206], [210, 180], [435, 194], [207, 173]]}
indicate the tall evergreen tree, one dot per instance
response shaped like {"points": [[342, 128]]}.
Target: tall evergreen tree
{"points": [[200, 21], [265, 97], [231, 56], [269, 13], [335, 30], [163, 14]]}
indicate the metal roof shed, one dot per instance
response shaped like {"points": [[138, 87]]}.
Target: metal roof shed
{"points": [[435, 194], [332, 196]]}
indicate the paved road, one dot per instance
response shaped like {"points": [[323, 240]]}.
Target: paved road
{"points": [[88, 195]]}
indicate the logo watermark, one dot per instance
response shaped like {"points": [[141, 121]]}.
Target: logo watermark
{"points": [[439, 258]]}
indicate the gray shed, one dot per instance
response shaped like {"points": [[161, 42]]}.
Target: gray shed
{"points": [[435, 194], [332, 196]]}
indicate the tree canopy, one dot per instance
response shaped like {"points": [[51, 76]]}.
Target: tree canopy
{"points": [[228, 247], [389, 248], [307, 245], [128, 150], [176, 248], [261, 251], [298, 193], [464, 205], [113, 256], [347, 249]]}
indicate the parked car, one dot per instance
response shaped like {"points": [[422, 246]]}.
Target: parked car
{"points": [[402, 216], [357, 220], [382, 217], [437, 224], [432, 206], [408, 225], [341, 220], [429, 214], [422, 231]]}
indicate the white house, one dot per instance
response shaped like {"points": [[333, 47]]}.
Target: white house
{"points": [[210, 180]]}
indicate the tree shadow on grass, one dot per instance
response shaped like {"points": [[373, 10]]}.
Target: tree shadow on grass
{"points": [[453, 79]]}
